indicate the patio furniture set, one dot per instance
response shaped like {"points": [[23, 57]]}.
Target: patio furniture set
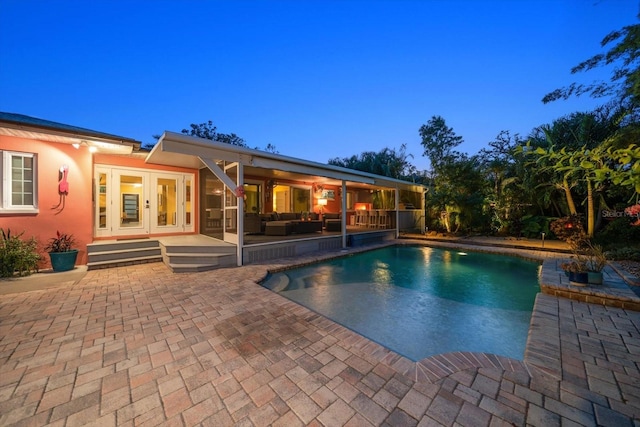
{"points": [[286, 223], [374, 218]]}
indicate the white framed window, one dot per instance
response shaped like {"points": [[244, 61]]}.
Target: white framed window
{"points": [[19, 182]]}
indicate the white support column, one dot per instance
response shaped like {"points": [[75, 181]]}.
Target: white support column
{"points": [[240, 213], [343, 222], [423, 201], [397, 212]]}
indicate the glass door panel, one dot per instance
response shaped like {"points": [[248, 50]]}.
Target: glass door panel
{"points": [[167, 213], [187, 204], [281, 199], [102, 201], [252, 196], [103, 213], [138, 202], [131, 208], [301, 199], [130, 203]]}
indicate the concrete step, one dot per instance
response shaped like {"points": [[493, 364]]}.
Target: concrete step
{"points": [[197, 258], [95, 265], [198, 249], [194, 268], [126, 252], [178, 255], [114, 255], [121, 245], [190, 262]]}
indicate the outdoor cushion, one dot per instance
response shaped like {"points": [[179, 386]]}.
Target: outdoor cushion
{"points": [[288, 216]]}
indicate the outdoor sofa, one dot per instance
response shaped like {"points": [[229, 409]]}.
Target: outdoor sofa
{"points": [[282, 223]]}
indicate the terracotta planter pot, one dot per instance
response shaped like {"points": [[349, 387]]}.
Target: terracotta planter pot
{"points": [[63, 261]]}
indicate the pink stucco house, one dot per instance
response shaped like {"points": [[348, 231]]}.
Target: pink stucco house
{"points": [[251, 205]]}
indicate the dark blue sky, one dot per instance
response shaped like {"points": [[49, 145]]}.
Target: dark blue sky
{"points": [[318, 79]]}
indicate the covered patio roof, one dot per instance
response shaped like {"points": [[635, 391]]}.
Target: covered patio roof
{"points": [[175, 149]]}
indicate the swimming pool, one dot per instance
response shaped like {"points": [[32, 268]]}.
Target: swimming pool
{"points": [[420, 301]]}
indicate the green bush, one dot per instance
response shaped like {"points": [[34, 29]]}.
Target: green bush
{"points": [[17, 256], [620, 254], [570, 230], [619, 233], [534, 226]]}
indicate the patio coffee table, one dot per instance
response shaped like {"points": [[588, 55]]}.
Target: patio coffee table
{"points": [[334, 225], [277, 228], [313, 226]]}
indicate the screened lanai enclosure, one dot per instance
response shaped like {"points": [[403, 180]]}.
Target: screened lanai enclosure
{"points": [[270, 205]]}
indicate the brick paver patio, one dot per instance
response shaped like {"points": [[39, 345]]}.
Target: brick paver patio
{"points": [[140, 345]]}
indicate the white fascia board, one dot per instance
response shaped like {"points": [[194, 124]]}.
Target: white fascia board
{"points": [[399, 184], [180, 143], [261, 162], [199, 151], [204, 148]]}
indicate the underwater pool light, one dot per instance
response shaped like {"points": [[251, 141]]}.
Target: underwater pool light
{"points": [[462, 253]]}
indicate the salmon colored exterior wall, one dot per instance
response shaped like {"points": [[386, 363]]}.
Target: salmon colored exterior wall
{"points": [[335, 205], [76, 216]]}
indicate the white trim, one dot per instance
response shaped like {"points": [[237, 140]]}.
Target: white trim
{"points": [[204, 148], [149, 223], [6, 205]]}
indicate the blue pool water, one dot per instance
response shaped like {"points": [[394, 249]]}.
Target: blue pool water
{"points": [[420, 301]]}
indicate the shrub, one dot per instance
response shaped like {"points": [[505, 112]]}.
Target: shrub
{"points": [[621, 254], [533, 226], [571, 230], [619, 232], [16, 255]]}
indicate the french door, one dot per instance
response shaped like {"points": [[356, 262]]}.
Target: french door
{"points": [[139, 202]]}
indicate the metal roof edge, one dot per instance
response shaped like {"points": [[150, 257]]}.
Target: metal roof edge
{"points": [[24, 122]]}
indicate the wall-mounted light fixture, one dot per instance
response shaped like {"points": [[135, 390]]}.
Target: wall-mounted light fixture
{"points": [[77, 145], [106, 147]]}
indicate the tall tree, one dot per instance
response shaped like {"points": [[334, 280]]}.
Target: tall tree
{"points": [[387, 162], [587, 162], [499, 165], [624, 54], [208, 130], [498, 159], [439, 142], [456, 195]]}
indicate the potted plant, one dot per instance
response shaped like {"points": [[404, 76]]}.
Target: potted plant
{"points": [[61, 252], [576, 269], [596, 262]]}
